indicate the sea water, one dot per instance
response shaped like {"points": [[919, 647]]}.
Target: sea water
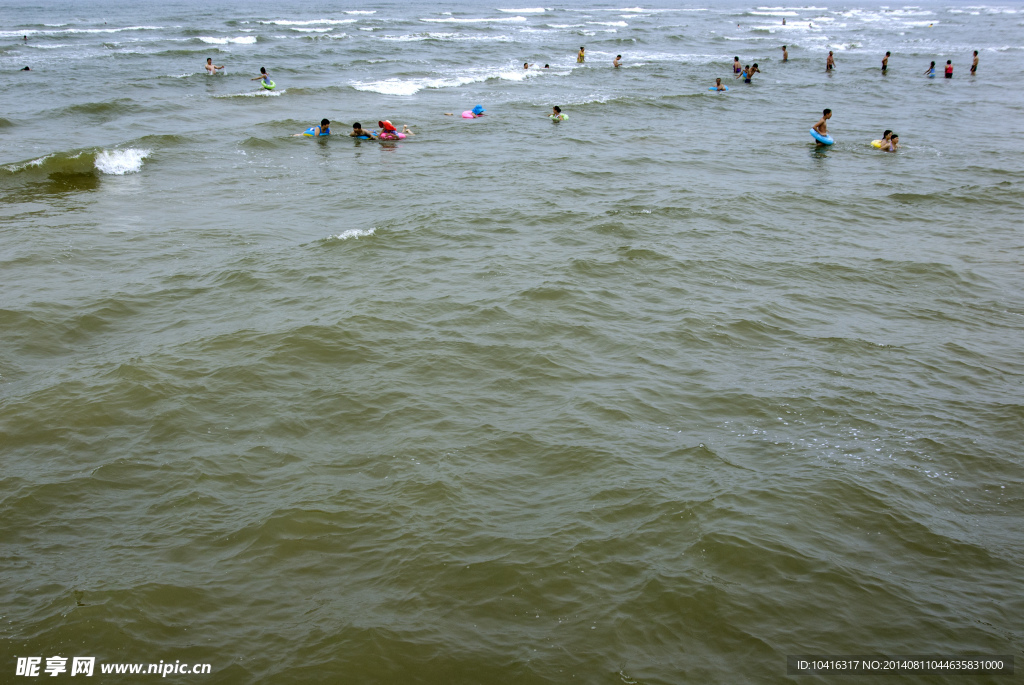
{"points": [[659, 394]]}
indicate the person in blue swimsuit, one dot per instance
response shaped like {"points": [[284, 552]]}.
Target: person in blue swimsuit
{"points": [[265, 78], [930, 71], [324, 129]]}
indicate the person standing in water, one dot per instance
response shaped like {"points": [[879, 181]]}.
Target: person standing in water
{"points": [[949, 68], [211, 68], [974, 64], [830, 63], [617, 61], [580, 58], [821, 127], [736, 68], [885, 61], [930, 71], [719, 86], [556, 114], [785, 54]]}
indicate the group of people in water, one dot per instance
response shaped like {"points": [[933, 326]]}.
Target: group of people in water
{"points": [[889, 142], [747, 72]]}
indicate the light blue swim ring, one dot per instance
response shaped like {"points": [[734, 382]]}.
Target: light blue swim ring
{"points": [[826, 140], [716, 88], [311, 131]]}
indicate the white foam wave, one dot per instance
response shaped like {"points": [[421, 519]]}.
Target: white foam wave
{"points": [[526, 10], [353, 233], [264, 93], [240, 40], [58, 32], [360, 11], [415, 37], [286, 22], [456, 20], [121, 162], [308, 30], [608, 23], [395, 86], [47, 47]]}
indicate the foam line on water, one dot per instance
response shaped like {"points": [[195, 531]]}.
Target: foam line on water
{"points": [[240, 40], [353, 233]]}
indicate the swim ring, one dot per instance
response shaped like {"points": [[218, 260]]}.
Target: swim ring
{"points": [[311, 132], [876, 143], [559, 117], [468, 114], [390, 135], [269, 85], [714, 88], [827, 140]]}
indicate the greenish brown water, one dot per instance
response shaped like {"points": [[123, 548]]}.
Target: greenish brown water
{"points": [[659, 394]]}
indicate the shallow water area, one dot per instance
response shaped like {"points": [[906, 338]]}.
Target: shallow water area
{"points": [[661, 393]]}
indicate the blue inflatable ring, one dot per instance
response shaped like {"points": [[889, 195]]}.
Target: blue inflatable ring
{"points": [[826, 140]]}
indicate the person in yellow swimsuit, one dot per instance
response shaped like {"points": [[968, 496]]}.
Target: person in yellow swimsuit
{"points": [[580, 59]]}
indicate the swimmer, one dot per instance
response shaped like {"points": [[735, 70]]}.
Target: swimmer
{"points": [[556, 114], [546, 66], [617, 61], [388, 128], [24, 38], [890, 143], [26, 69], [719, 86], [830, 63], [821, 127], [580, 58], [785, 54], [265, 77], [744, 74], [478, 111], [885, 61], [751, 71], [736, 65], [886, 142], [526, 65], [324, 129], [930, 71], [359, 132], [211, 68], [783, 21], [974, 64], [949, 68]]}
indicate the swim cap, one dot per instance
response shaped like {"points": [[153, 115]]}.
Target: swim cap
{"points": [[479, 109], [386, 125]]}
